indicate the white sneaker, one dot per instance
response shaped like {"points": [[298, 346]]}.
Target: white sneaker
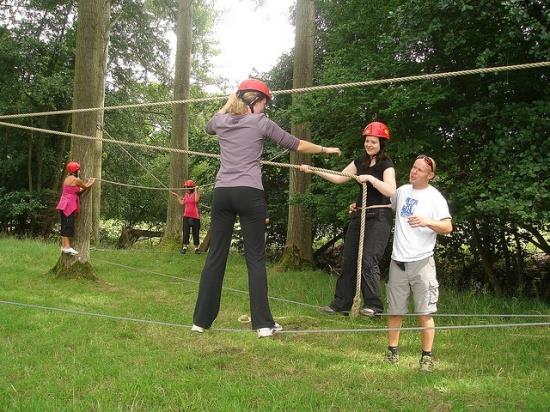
{"points": [[70, 251], [267, 332], [197, 329]]}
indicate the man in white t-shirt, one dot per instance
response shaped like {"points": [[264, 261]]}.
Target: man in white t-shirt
{"points": [[421, 214]]}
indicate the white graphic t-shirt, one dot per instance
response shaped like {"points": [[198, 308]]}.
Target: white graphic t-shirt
{"points": [[412, 244]]}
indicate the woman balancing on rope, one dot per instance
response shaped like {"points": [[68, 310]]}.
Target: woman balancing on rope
{"points": [[241, 127], [376, 169], [69, 204], [191, 215]]}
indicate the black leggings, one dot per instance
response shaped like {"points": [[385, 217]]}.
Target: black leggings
{"points": [[191, 224], [249, 204], [377, 233]]}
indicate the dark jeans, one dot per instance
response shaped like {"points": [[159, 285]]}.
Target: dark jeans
{"points": [[194, 225], [377, 232], [249, 204]]}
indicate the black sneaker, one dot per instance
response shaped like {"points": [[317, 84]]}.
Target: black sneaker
{"points": [[329, 310], [391, 357], [183, 251], [197, 251], [426, 364]]}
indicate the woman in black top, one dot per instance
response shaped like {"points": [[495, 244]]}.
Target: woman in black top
{"points": [[376, 169]]}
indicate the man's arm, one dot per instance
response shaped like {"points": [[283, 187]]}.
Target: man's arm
{"points": [[441, 227]]}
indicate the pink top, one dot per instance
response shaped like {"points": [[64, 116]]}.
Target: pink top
{"points": [[69, 201], [191, 207]]}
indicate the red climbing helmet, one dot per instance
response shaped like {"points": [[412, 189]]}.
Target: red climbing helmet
{"points": [[377, 129], [188, 183], [254, 85], [72, 167]]}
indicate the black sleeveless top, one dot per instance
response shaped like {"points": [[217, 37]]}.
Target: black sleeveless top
{"points": [[374, 197]]}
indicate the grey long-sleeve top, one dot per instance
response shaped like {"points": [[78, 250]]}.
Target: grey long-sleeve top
{"points": [[241, 145]]}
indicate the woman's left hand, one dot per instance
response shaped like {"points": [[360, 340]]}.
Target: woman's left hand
{"points": [[365, 178]]}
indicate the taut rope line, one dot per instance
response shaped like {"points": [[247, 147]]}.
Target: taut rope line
{"points": [[303, 331], [450, 315], [298, 90], [168, 149]]}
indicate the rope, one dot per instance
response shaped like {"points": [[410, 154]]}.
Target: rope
{"points": [[357, 298], [450, 315], [365, 83], [132, 157], [137, 186], [196, 282], [168, 149], [317, 331]]}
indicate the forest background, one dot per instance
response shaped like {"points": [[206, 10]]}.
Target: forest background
{"points": [[489, 133]]}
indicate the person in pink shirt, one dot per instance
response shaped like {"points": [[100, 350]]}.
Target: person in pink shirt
{"points": [[191, 215], [69, 204]]}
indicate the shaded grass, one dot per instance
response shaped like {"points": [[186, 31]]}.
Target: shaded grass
{"points": [[58, 361]]}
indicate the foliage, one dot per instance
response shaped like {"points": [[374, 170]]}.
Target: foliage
{"points": [[487, 132], [27, 213]]}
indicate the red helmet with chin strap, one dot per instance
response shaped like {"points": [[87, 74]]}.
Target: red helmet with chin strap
{"points": [[73, 167], [188, 183], [377, 129], [254, 85]]}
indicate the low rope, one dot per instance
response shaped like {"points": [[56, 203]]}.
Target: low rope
{"points": [[357, 298], [365, 83], [463, 315], [196, 282], [304, 331]]}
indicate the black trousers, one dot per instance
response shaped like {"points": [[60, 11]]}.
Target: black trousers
{"points": [[67, 224], [377, 233], [249, 204], [191, 225]]}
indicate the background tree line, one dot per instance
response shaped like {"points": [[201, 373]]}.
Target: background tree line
{"points": [[489, 133]]}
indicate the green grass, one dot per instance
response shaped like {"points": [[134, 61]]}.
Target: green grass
{"points": [[58, 361]]}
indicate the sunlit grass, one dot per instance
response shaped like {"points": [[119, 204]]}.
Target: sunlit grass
{"points": [[60, 361]]}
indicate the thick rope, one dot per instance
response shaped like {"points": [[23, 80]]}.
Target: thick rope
{"points": [[304, 331], [167, 149], [121, 147], [365, 83], [357, 298]]}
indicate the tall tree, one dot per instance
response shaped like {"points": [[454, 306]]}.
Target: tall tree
{"points": [[87, 93], [98, 158], [299, 235], [180, 120]]}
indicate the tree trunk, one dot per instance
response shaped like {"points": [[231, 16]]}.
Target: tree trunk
{"points": [[29, 161], [40, 162], [541, 242], [87, 93], [4, 158], [299, 233], [485, 259], [520, 264], [205, 244], [180, 119], [98, 160]]}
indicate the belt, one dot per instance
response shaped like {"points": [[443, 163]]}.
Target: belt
{"points": [[400, 264]]}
